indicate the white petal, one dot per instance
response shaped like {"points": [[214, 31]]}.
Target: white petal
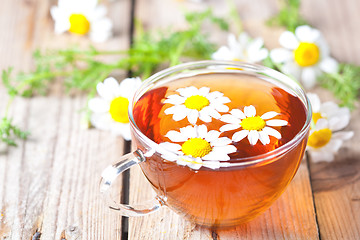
{"points": [[188, 91], [269, 115], [253, 137], [173, 147], [337, 123], [204, 91], [171, 110], [218, 156], [129, 86], [228, 118], [315, 102], [101, 30], [288, 40], [293, 69], [308, 77], [329, 65], [170, 157], [343, 135], [193, 116], [101, 121], [238, 136], [334, 145], [220, 142], [204, 116], [238, 113], [212, 164], [212, 135], [181, 113], [223, 53], [321, 124], [213, 95], [229, 127], [201, 131], [276, 123], [264, 138], [98, 105], [189, 132], [319, 156], [307, 34], [280, 55], [250, 111], [175, 99], [221, 100], [220, 107], [227, 149], [212, 112], [258, 56], [175, 136], [272, 132]]}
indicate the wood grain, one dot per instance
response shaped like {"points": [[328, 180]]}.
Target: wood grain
{"points": [[49, 184]]}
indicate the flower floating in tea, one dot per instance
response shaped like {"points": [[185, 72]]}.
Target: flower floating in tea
{"points": [[110, 110], [196, 104], [325, 137], [305, 55], [199, 147], [82, 17], [325, 140], [254, 127], [242, 49]]}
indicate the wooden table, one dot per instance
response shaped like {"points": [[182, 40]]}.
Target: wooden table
{"points": [[49, 183]]}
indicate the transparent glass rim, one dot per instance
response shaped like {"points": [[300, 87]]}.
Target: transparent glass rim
{"points": [[226, 67]]}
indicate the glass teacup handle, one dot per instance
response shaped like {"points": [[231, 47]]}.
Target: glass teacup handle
{"points": [[109, 175]]}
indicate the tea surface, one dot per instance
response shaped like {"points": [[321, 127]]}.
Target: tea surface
{"points": [[243, 90]]}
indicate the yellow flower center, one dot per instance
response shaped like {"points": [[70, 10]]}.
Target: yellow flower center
{"points": [[79, 24], [307, 54], [319, 138], [196, 147], [196, 102], [253, 123], [118, 109], [316, 117]]}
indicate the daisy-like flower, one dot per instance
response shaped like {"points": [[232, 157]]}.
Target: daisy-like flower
{"points": [[196, 103], [305, 55], [82, 17], [199, 147], [254, 127], [110, 110], [242, 49], [325, 139], [328, 110]]}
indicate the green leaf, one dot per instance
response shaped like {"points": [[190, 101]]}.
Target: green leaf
{"points": [[289, 16], [344, 84]]}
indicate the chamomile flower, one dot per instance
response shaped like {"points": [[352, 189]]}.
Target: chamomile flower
{"points": [[197, 147], [242, 49], [254, 127], [329, 110], [110, 110], [82, 17], [305, 55], [325, 140], [196, 103]]}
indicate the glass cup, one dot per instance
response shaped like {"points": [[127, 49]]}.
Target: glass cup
{"points": [[226, 196]]}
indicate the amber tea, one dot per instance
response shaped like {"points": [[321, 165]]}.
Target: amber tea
{"points": [[218, 141], [198, 186]]}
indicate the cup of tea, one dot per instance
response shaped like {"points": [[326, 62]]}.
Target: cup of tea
{"points": [[218, 141]]}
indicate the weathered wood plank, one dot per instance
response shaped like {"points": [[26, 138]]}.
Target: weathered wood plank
{"points": [[336, 185], [292, 216], [49, 184]]}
